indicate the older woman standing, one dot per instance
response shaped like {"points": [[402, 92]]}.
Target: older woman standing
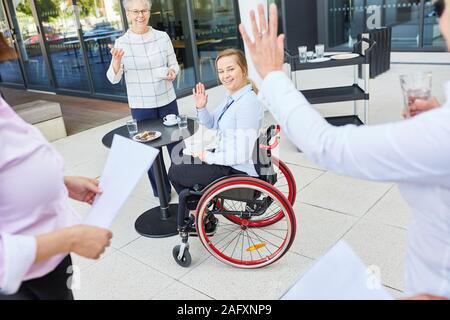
{"points": [[147, 59]]}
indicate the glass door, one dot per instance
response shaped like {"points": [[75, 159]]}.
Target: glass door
{"points": [[29, 44], [10, 71], [59, 23], [215, 30], [171, 16], [101, 24]]}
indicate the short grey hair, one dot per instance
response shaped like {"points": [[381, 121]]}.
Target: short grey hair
{"points": [[126, 3]]}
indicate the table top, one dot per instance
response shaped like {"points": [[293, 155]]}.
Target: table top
{"points": [[168, 134]]}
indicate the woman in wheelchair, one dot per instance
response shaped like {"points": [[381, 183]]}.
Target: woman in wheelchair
{"points": [[240, 203], [237, 121]]}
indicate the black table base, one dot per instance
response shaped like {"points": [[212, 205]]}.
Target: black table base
{"points": [[161, 221], [151, 224]]}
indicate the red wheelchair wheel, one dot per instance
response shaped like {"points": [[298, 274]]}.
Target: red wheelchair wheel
{"points": [[242, 242], [285, 184]]}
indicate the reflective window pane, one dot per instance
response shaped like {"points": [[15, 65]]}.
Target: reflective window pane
{"points": [[348, 18], [404, 18], [171, 16], [28, 42], [215, 30], [432, 36], [101, 25], [9, 64], [59, 23]]}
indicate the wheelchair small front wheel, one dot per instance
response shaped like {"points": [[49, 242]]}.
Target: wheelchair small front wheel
{"points": [[185, 260]]}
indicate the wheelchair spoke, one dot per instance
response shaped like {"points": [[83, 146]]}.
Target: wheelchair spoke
{"points": [[235, 246], [262, 240], [271, 233], [249, 216], [253, 245], [227, 245], [266, 240]]}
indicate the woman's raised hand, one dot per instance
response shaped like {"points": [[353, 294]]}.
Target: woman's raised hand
{"points": [[200, 96], [116, 53]]}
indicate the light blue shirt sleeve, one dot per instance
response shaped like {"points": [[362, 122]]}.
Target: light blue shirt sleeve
{"points": [[206, 118]]}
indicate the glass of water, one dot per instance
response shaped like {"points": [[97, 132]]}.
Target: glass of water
{"points": [[182, 121], [302, 54], [320, 49], [132, 127], [415, 86]]}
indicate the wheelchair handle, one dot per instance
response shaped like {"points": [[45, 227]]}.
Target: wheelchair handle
{"points": [[269, 136]]}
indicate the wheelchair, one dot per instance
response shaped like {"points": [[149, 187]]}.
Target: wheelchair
{"points": [[246, 222]]}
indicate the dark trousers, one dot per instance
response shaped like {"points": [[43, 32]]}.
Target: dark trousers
{"points": [[152, 114], [193, 171], [53, 286]]}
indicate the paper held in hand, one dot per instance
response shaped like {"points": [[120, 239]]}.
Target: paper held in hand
{"points": [[127, 162], [339, 275]]}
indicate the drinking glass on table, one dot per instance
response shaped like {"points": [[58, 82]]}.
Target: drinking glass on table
{"points": [[132, 127], [182, 121], [302, 54], [320, 50], [415, 86]]}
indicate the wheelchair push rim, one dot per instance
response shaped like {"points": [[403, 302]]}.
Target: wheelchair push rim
{"points": [[242, 245], [285, 184]]}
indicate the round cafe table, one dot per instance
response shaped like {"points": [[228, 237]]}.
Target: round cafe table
{"points": [[161, 221]]}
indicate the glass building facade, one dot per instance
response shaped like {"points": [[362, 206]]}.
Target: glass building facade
{"points": [[413, 22], [62, 45]]}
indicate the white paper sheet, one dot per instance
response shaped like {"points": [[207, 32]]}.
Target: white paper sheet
{"points": [[126, 163], [338, 275]]}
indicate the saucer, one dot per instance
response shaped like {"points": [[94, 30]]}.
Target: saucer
{"points": [[155, 135], [344, 56], [319, 60], [170, 124]]}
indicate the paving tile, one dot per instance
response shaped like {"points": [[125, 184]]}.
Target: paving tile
{"points": [[118, 276], [318, 229], [123, 226], [157, 253], [343, 194], [391, 210], [381, 246], [221, 281], [180, 291]]}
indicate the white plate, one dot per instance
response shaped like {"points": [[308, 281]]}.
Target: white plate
{"points": [[157, 135], [344, 56], [319, 60]]}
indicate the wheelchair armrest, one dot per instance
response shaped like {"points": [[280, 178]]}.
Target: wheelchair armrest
{"points": [[198, 188]]}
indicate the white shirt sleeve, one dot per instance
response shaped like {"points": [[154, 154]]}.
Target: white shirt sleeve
{"points": [[17, 255], [413, 150], [113, 77]]}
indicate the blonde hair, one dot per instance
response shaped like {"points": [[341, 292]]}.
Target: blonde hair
{"points": [[240, 60]]}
